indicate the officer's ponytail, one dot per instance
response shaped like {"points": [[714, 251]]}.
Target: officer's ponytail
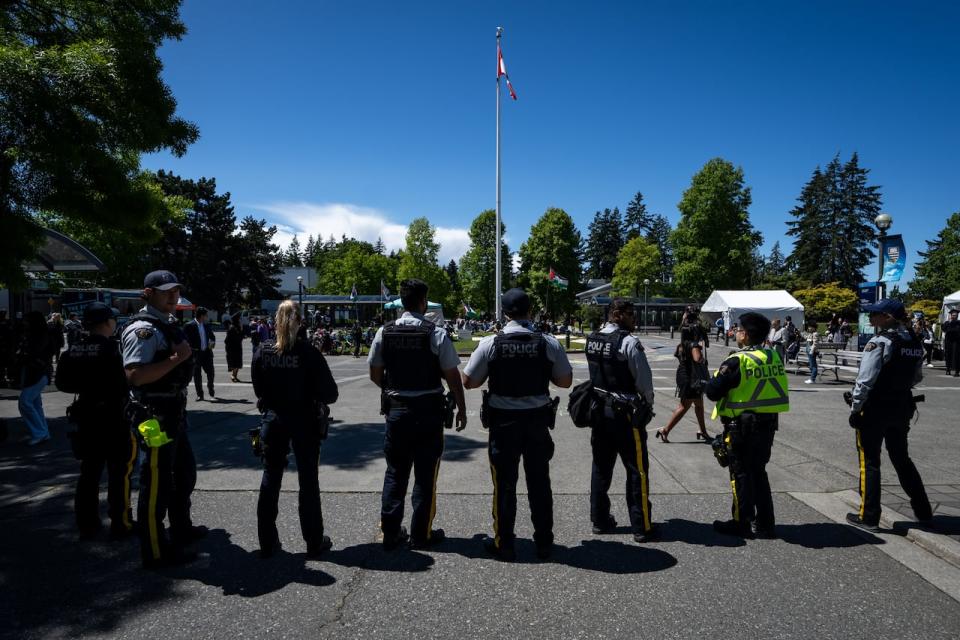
{"points": [[288, 324]]}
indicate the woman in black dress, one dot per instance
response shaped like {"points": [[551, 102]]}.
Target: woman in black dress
{"points": [[233, 344], [692, 376]]}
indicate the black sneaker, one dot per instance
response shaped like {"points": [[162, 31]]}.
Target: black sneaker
{"points": [[199, 397], [315, 550], [857, 521], [436, 537], [212, 394], [393, 540], [270, 550], [605, 526], [647, 536], [763, 533], [544, 551], [189, 535], [732, 528], [504, 554]]}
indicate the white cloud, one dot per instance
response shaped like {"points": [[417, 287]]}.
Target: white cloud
{"points": [[363, 223]]}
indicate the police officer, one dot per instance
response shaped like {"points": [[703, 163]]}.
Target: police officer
{"points": [[159, 366], [750, 389], [520, 363], [623, 383], [408, 359], [93, 368], [291, 378], [881, 409]]}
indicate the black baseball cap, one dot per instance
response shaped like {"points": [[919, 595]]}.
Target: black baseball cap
{"points": [[161, 281], [888, 306], [97, 312], [515, 302]]}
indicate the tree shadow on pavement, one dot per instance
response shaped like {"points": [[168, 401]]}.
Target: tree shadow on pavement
{"points": [[700, 533], [372, 556], [824, 535], [237, 571]]}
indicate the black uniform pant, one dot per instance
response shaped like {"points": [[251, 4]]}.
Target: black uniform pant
{"points": [[869, 440], [277, 437], [516, 434], [621, 436], [413, 440], [951, 353], [203, 363], [749, 452], [113, 447], [168, 475]]}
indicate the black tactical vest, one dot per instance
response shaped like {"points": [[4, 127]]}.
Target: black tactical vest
{"points": [[895, 382], [519, 365], [607, 371], [282, 378], [411, 364], [179, 377]]}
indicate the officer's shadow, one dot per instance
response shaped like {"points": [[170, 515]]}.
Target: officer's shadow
{"points": [[373, 557], [603, 555], [238, 571]]}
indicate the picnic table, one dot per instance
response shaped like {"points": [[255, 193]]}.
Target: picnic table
{"points": [[831, 356]]}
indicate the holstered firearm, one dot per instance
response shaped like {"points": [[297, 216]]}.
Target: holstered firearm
{"points": [[323, 419], [554, 406], [449, 403], [384, 403], [485, 409]]}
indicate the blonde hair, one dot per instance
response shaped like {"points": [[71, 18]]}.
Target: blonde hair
{"points": [[288, 324]]}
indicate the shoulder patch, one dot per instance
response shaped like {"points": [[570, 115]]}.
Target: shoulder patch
{"points": [[145, 333], [870, 346]]}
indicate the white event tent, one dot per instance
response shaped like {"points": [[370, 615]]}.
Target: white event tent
{"points": [[952, 301], [730, 305]]}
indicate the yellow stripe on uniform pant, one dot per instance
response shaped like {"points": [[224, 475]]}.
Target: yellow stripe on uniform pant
{"points": [[433, 499], [126, 483], [733, 485], [496, 515], [863, 475], [644, 488], [152, 515]]}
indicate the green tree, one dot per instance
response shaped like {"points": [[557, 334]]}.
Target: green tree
{"points": [[938, 272], [419, 260], [820, 302], [293, 256], [554, 241], [478, 266], [659, 235], [357, 263], [638, 260], [636, 220], [81, 97], [604, 243], [714, 240], [254, 277]]}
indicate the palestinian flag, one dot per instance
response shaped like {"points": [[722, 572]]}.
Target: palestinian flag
{"points": [[557, 280], [468, 311]]}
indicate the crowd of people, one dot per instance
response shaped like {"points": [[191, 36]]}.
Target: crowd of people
{"points": [[131, 402]]}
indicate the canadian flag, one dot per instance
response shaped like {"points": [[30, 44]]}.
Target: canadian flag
{"points": [[502, 71]]}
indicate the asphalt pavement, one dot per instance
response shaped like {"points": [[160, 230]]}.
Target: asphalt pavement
{"points": [[821, 578]]}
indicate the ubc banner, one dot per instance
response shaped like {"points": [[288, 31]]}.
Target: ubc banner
{"points": [[894, 258], [867, 292]]}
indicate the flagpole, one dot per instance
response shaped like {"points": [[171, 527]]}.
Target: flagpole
{"points": [[497, 284]]}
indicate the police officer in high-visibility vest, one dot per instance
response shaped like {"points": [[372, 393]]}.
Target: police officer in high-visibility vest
{"points": [[881, 408], [750, 389], [159, 366], [623, 384], [408, 359], [92, 368], [521, 363]]}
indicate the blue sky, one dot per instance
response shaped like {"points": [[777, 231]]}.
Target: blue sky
{"points": [[357, 116]]}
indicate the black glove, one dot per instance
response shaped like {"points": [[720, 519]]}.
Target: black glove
{"points": [[856, 419]]}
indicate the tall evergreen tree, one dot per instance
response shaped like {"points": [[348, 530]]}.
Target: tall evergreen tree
{"points": [[604, 243], [637, 221], [310, 251], [293, 256], [938, 272], [811, 228], [659, 235], [379, 247]]}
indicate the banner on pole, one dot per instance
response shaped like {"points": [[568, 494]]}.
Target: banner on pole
{"points": [[894, 257], [867, 292]]}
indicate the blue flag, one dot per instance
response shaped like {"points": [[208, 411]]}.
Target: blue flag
{"points": [[894, 257]]}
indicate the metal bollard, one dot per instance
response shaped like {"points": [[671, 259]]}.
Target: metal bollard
{"points": [[671, 332]]}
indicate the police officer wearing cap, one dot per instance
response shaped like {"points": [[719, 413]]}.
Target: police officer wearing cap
{"points": [[92, 368], [881, 408], [158, 364], [750, 389], [408, 359], [521, 363], [623, 384]]}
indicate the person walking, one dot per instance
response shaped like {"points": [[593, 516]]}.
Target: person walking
{"points": [[34, 371], [623, 385], [751, 390], [93, 368], [521, 363], [408, 359], [201, 338], [233, 345], [950, 330], [812, 343], [881, 408], [692, 375], [291, 379]]}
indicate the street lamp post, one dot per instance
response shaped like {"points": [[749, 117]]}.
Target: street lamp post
{"points": [[646, 283], [883, 222], [300, 287]]}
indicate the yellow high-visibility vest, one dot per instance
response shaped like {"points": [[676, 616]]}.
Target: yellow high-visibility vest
{"points": [[762, 389]]}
